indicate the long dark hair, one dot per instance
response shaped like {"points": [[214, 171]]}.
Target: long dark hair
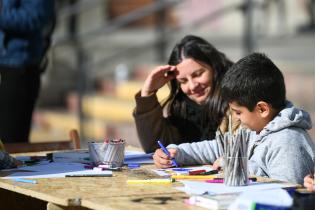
{"points": [[201, 51]]}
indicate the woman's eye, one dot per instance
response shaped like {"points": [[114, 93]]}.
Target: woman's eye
{"points": [[182, 81], [198, 73]]}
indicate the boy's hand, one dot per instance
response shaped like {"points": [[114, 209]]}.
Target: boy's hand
{"points": [[218, 164], [161, 160], [309, 183]]}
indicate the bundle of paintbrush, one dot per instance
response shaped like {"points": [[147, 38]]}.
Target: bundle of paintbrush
{"points": [[234, 149], [111, 152]]}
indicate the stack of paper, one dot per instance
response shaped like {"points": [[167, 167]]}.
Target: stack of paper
{"points": [[263, 199], [199, 188], [172, 171], [213, 201]]}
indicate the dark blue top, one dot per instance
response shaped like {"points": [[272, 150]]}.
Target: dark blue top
{"points": [[25, 29]]}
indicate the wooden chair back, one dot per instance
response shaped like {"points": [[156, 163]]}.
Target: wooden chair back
{"points": [[24, 147]]}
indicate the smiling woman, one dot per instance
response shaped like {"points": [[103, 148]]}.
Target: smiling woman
{"points": [[195, 80], [194, 72]]}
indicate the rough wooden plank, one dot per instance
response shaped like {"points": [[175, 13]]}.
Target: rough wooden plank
{"points": [[63, 191]]}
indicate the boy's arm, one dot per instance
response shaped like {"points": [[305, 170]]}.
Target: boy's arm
{"points": [[290, 160], [204, 152], [6, 161]]}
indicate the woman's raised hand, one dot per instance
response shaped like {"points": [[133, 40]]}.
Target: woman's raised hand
{"points": [[157, 79]]}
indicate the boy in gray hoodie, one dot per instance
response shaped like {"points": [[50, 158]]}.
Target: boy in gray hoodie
{"points": [[279, 145]]}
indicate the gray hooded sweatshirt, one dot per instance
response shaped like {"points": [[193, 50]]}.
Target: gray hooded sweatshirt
{"points": [[283, 150]]}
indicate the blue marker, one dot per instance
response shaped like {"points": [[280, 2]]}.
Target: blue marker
{"points": [[181, 169], [25, 180], [133, 165], [167, 153]]}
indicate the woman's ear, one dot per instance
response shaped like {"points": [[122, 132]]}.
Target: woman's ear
{"points": [[263, 109]]}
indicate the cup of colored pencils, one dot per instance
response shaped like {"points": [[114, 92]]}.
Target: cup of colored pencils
{"points": [[235, 171], [111, 152], [235, 159]]}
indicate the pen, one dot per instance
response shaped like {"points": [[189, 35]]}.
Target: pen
{"points": [[150, 181], [25, 180], [210, 172], [167, 153], [110, 167], [180, 169], [199, 177], [253, 179], [89, 175], [215, 181], [133, 165], [31, 162], [197, 172]]}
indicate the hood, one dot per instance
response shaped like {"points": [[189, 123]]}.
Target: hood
{"points": [[290, 116]]}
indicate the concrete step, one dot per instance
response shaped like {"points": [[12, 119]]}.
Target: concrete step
{"points": [[117, 108], [55, 125]]}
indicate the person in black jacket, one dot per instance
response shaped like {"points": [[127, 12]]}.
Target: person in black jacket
{"points": [[25, 31]]}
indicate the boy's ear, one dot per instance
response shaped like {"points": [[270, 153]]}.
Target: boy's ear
{"points": [[263, 109]]}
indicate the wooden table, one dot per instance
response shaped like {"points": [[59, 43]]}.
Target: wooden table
{"points": [[94, 193]]}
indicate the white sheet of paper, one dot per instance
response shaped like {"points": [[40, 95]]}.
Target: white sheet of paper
{"points": [[137, 157], [195, 187], [163, 172], [278, 198], [51, 170]]}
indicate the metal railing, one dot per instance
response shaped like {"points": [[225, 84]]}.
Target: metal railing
{"points": [[82, 62], [159, 7]]}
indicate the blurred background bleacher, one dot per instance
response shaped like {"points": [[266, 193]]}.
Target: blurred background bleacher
{"points": [[103, 50]]}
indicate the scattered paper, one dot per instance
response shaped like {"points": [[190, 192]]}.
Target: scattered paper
{"points": [[46, 169], [171, 171], [67, 163], [199, 188]]}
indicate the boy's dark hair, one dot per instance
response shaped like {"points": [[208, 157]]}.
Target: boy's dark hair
{"points": [[252, 79]]}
